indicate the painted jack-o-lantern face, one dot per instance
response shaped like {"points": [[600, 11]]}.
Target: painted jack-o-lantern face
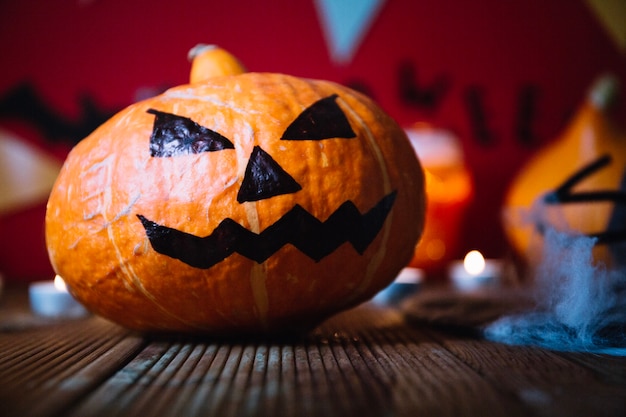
{"points": [[576, 185], [256, 202], [264, 178]]}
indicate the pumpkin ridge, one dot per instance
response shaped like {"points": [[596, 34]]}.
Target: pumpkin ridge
{"points": [[135, 281], [131, 277], [377, 259], [258, 285]]}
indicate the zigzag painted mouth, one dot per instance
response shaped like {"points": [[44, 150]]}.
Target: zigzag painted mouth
{"points": [[298, 227]]}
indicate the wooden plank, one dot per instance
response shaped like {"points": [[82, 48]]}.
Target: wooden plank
{"points": [[366, 362], [346, 367], [120, 390], [73, 358], [192, 383], [547, 383], [606, 368], [431, 381]]}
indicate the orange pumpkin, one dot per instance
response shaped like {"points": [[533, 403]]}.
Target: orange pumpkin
{"points": [[244, 203], [576, 185]]}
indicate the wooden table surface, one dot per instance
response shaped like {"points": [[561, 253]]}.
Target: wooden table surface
{"points": [[369, 361]]}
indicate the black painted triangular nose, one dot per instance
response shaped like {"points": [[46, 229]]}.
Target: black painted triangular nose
{"points": [[265, 178]]}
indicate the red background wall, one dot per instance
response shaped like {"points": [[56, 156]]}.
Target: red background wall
{"points": [[473, 67]]}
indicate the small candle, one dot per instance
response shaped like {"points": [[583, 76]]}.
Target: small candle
{"points": [[406, 283], [52, 299], [475, 272]]}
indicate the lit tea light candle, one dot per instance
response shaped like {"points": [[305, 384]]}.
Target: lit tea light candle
{"points": [[52, 299], [475, 271]]}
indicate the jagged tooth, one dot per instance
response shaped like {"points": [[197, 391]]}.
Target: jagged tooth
{"points": [[298, 227], [372, 222], [199, 252]]}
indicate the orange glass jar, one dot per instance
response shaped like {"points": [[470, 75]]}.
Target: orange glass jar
{"points": [[449, 190]]}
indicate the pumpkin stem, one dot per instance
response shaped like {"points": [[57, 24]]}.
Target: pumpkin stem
{"points": [[209, 61], [199, 49], [604, 92]]}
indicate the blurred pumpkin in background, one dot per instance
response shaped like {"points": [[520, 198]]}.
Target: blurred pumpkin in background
{"points": [[576, 184], [244, 203]]}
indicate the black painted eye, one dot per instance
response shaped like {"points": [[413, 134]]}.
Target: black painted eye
{"points": [[324, 119], [174, 135]]}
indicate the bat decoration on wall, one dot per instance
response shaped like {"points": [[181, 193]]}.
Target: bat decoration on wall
{"points": [[526, 113], [478, 116], [415, 95], [24, 104]]}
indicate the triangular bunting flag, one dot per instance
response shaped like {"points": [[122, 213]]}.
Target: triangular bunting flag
{"points": [[345, 23]]}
